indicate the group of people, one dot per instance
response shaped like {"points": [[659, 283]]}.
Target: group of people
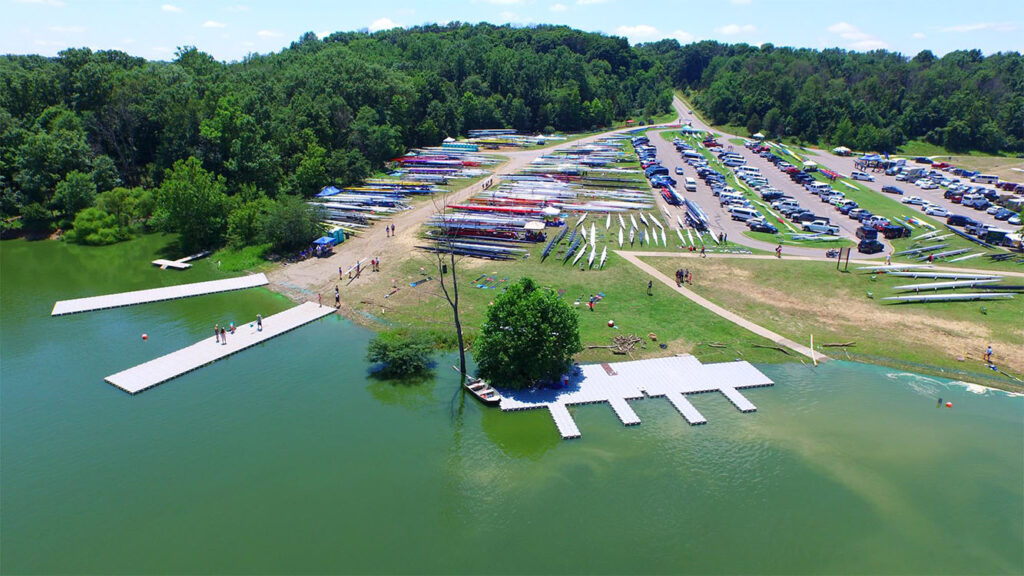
{"points": [[683, 276], [220, 333]]}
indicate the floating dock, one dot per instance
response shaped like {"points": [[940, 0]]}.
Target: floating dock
{"points": [[616, 383], [157, 294], [160, 370]]}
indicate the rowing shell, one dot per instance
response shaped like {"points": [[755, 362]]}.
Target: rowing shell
{"points": [[680, 233], [608, 221], [604, 256], [632, 235], [620, 237], [579, 254], [664, 242], [622, 222]]}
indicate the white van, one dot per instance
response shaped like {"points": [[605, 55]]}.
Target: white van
{"points": [[744, 214], [690, 184], [984, 179], [750, 169], [818, 187], [862, 176]]}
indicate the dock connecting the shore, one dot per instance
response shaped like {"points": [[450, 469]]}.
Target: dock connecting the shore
{"points": [[616, 383], [159, 370], [157, 294]]}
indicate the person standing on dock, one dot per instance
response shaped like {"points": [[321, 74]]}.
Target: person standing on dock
{"points": [[216, 333], [223, 336], [337, 297], [320, 298], [259, 323]]}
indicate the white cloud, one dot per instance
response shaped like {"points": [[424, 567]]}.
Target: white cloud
{"points": [[502, 2], [856, 39], [214, 24], [586, 2], [979, 26], [268, 34], [54, 3], [733, 29], [559, 7], [170, 8], [324, 34], [383, 24], [638, 33], [67, 29], [918, 35], [683, 37]]}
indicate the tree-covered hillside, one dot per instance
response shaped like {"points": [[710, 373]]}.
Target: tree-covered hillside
{"points": [[867, 101], [317, 112]]}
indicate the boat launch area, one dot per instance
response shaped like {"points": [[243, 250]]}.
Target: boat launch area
{"points": [[159, 370], [672, 378], [157, 294]]}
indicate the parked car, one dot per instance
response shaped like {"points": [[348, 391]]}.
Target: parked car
{"points": [[936, 211], [927, 184], [859, 214], [864, 176], [865, 233], [847, 207], [760, 225], [912, 200], [892, 190], [1015, 220], [822, 227], [679, 170], [1003, 214], [870, 247], [959, 220]]}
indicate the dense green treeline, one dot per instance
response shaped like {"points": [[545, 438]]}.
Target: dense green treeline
{"points": [[867, 101], [251, 134]]}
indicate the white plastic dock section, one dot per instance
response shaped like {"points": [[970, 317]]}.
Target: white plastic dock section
{"points": [[159, 370], [157, 294], [672, 378]]}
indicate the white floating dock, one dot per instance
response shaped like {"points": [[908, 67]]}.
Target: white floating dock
{"points": [[692, 415], [159, 370], [672, 377], [157, 294]]}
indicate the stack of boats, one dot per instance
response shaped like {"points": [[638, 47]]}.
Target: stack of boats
{"points": [[988, 284]]}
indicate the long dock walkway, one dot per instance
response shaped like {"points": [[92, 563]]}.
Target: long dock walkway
{"points": [[156, 294], [159, 370]]}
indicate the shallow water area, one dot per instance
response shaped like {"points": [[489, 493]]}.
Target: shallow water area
{"points": [[289, 458]]}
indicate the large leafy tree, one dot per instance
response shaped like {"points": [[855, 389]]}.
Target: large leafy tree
{"points": [[529, 337], [193, 203]]}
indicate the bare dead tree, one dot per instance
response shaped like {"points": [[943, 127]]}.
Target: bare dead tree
{"points": [[446, 257]]}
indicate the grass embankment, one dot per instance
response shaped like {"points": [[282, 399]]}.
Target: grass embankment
{"points": [[683, 327], [797, 299]]}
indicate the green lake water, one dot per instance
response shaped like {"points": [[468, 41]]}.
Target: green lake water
{"points": [[288, 458]]}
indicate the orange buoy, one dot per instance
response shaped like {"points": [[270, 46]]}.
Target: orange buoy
{"points": [[949, 404], [145, 336]]}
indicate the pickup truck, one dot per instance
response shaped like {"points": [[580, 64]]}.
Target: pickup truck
{"points": [[822, 227]]}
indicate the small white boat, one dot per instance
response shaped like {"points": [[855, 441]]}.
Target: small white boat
{"points": [[622, 222], [579, 254], [633, 221], [590, 259], [644, 219], [632, 235], [664, 242], [582, 218], [680, 233], [690, 236], [593, 234], [620, 237], [655, 220], [608, 221], [604, 256]]}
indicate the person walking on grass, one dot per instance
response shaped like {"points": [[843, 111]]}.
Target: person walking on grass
{"points": [[650, 287], [778, 251], [988, 354]]}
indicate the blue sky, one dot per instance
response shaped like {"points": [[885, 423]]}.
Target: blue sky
{"points": [[230, 29]]}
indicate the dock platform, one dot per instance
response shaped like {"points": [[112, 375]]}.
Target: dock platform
{"points": [[207, 351], [157, 294], [616, 383]]}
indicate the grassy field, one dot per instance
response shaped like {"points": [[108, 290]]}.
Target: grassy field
{"points": [[797, 299], [678, 324]]}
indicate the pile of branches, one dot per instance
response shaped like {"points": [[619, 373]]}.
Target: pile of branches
{"points": [[621, 344]]}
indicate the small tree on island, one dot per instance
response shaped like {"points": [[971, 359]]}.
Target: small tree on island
{"points": [[529, 337], [400, 353]]}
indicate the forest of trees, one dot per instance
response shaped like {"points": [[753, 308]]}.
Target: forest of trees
{"points": [[868, 101], [104, 142], [120, 141]]}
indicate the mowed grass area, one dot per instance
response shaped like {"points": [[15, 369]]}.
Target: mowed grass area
{"points": [[798, 299], [683, 327]]}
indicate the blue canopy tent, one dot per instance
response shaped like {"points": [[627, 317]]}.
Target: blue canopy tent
{"points": [[324, 245]]}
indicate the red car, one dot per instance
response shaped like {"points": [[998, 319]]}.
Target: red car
{"points": [[941, 165]]}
